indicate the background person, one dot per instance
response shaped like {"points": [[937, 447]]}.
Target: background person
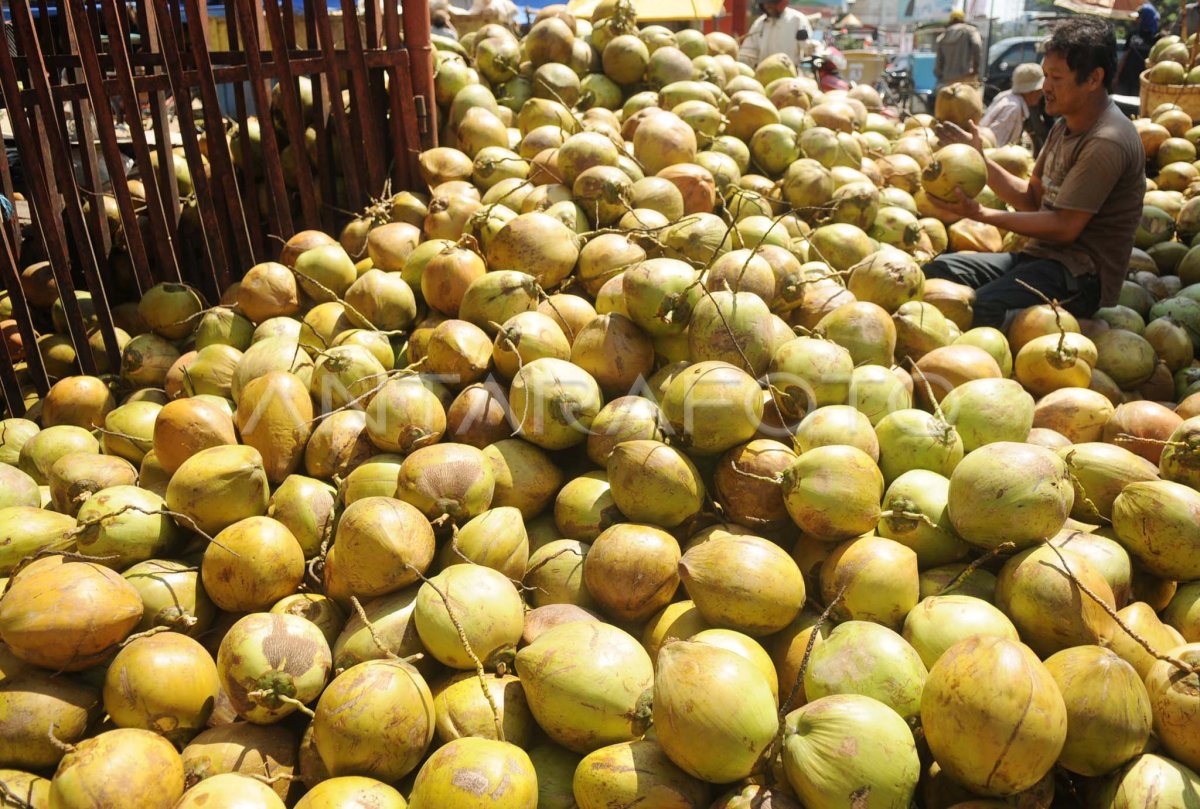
{"points": [[959, 52], [1137, 50], [1008, 112], [779, 29], [1081, 206]]}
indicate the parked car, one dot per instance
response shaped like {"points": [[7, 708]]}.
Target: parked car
{"points": [[1002, 59]]}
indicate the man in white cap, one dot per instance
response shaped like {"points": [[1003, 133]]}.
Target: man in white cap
{"points": [[780, 29], [1009, 110], [959, 52]]}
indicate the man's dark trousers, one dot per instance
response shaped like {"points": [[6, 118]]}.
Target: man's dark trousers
{"points": [[995, 276]]}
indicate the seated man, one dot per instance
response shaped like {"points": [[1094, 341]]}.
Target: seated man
{"points": [[1008, 112], [1081, 206]]}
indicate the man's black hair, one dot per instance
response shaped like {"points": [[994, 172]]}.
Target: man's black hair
{"points": [[1086, 43]]}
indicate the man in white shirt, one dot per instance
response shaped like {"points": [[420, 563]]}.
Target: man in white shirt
{"points": [[1009, 110], [780, 29]]}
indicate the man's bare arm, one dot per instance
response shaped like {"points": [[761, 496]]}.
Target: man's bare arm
{"points": [[1062, 225]]}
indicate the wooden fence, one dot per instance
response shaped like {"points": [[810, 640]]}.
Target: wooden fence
{"points": [[88, 98]]}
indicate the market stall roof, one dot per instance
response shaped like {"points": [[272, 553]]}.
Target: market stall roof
{"points": [[849, 21], [658, 10], [1114, 9]]}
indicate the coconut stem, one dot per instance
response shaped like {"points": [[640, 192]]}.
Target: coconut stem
{"points": [[154, 630], [1054, 306], [937, 406], [956, 582], [1081, 493], [57, 743], [786, 706], [190, 523], [1145, 644], [1126, 438], [334, 297], [466, 644], [268, 693], [909, 515], [379, 644], [387, 377], [11, 798]]}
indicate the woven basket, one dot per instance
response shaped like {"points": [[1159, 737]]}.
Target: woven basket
{"points": [[1186, 96]]}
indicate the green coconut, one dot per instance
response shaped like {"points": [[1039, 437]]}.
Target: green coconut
{"points": [[833, 492], [913, 439], [1047, 607], [35, 704], [852, 748], [985, 411], [916, 514], [860, 657], [714, 714], [1104, 554], [25, 530], [744, 583], [654, 483], [480, 601], [553, 403], [993, 716], [124, 525], [172, 596], [588, 685], [939, 622], [1009, 492], [1108, 709], [217, 487], [1158, 522], [13, 435], [463, 708]]}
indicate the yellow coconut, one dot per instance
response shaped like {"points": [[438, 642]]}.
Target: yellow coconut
{"points": [[217, 487], [1141, 618], [879, 578], [268, 751], [82, 401], [106, 770], [476, 773], [274, 415], [230, 789], [588, 685], [993, 716], [69, 616], [744, 583], [166, 683], [32, 705], [1108, 709], [383, 545], [352, 790], [679, 620], [252, 564], [464, 710], [305, 506], [1176, 709], [632, 571], [714, 714], [633, 773], [348, 733], [496, 538]]}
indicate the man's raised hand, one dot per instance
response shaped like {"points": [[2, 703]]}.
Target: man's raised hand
{"points": [[948, 132]]}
